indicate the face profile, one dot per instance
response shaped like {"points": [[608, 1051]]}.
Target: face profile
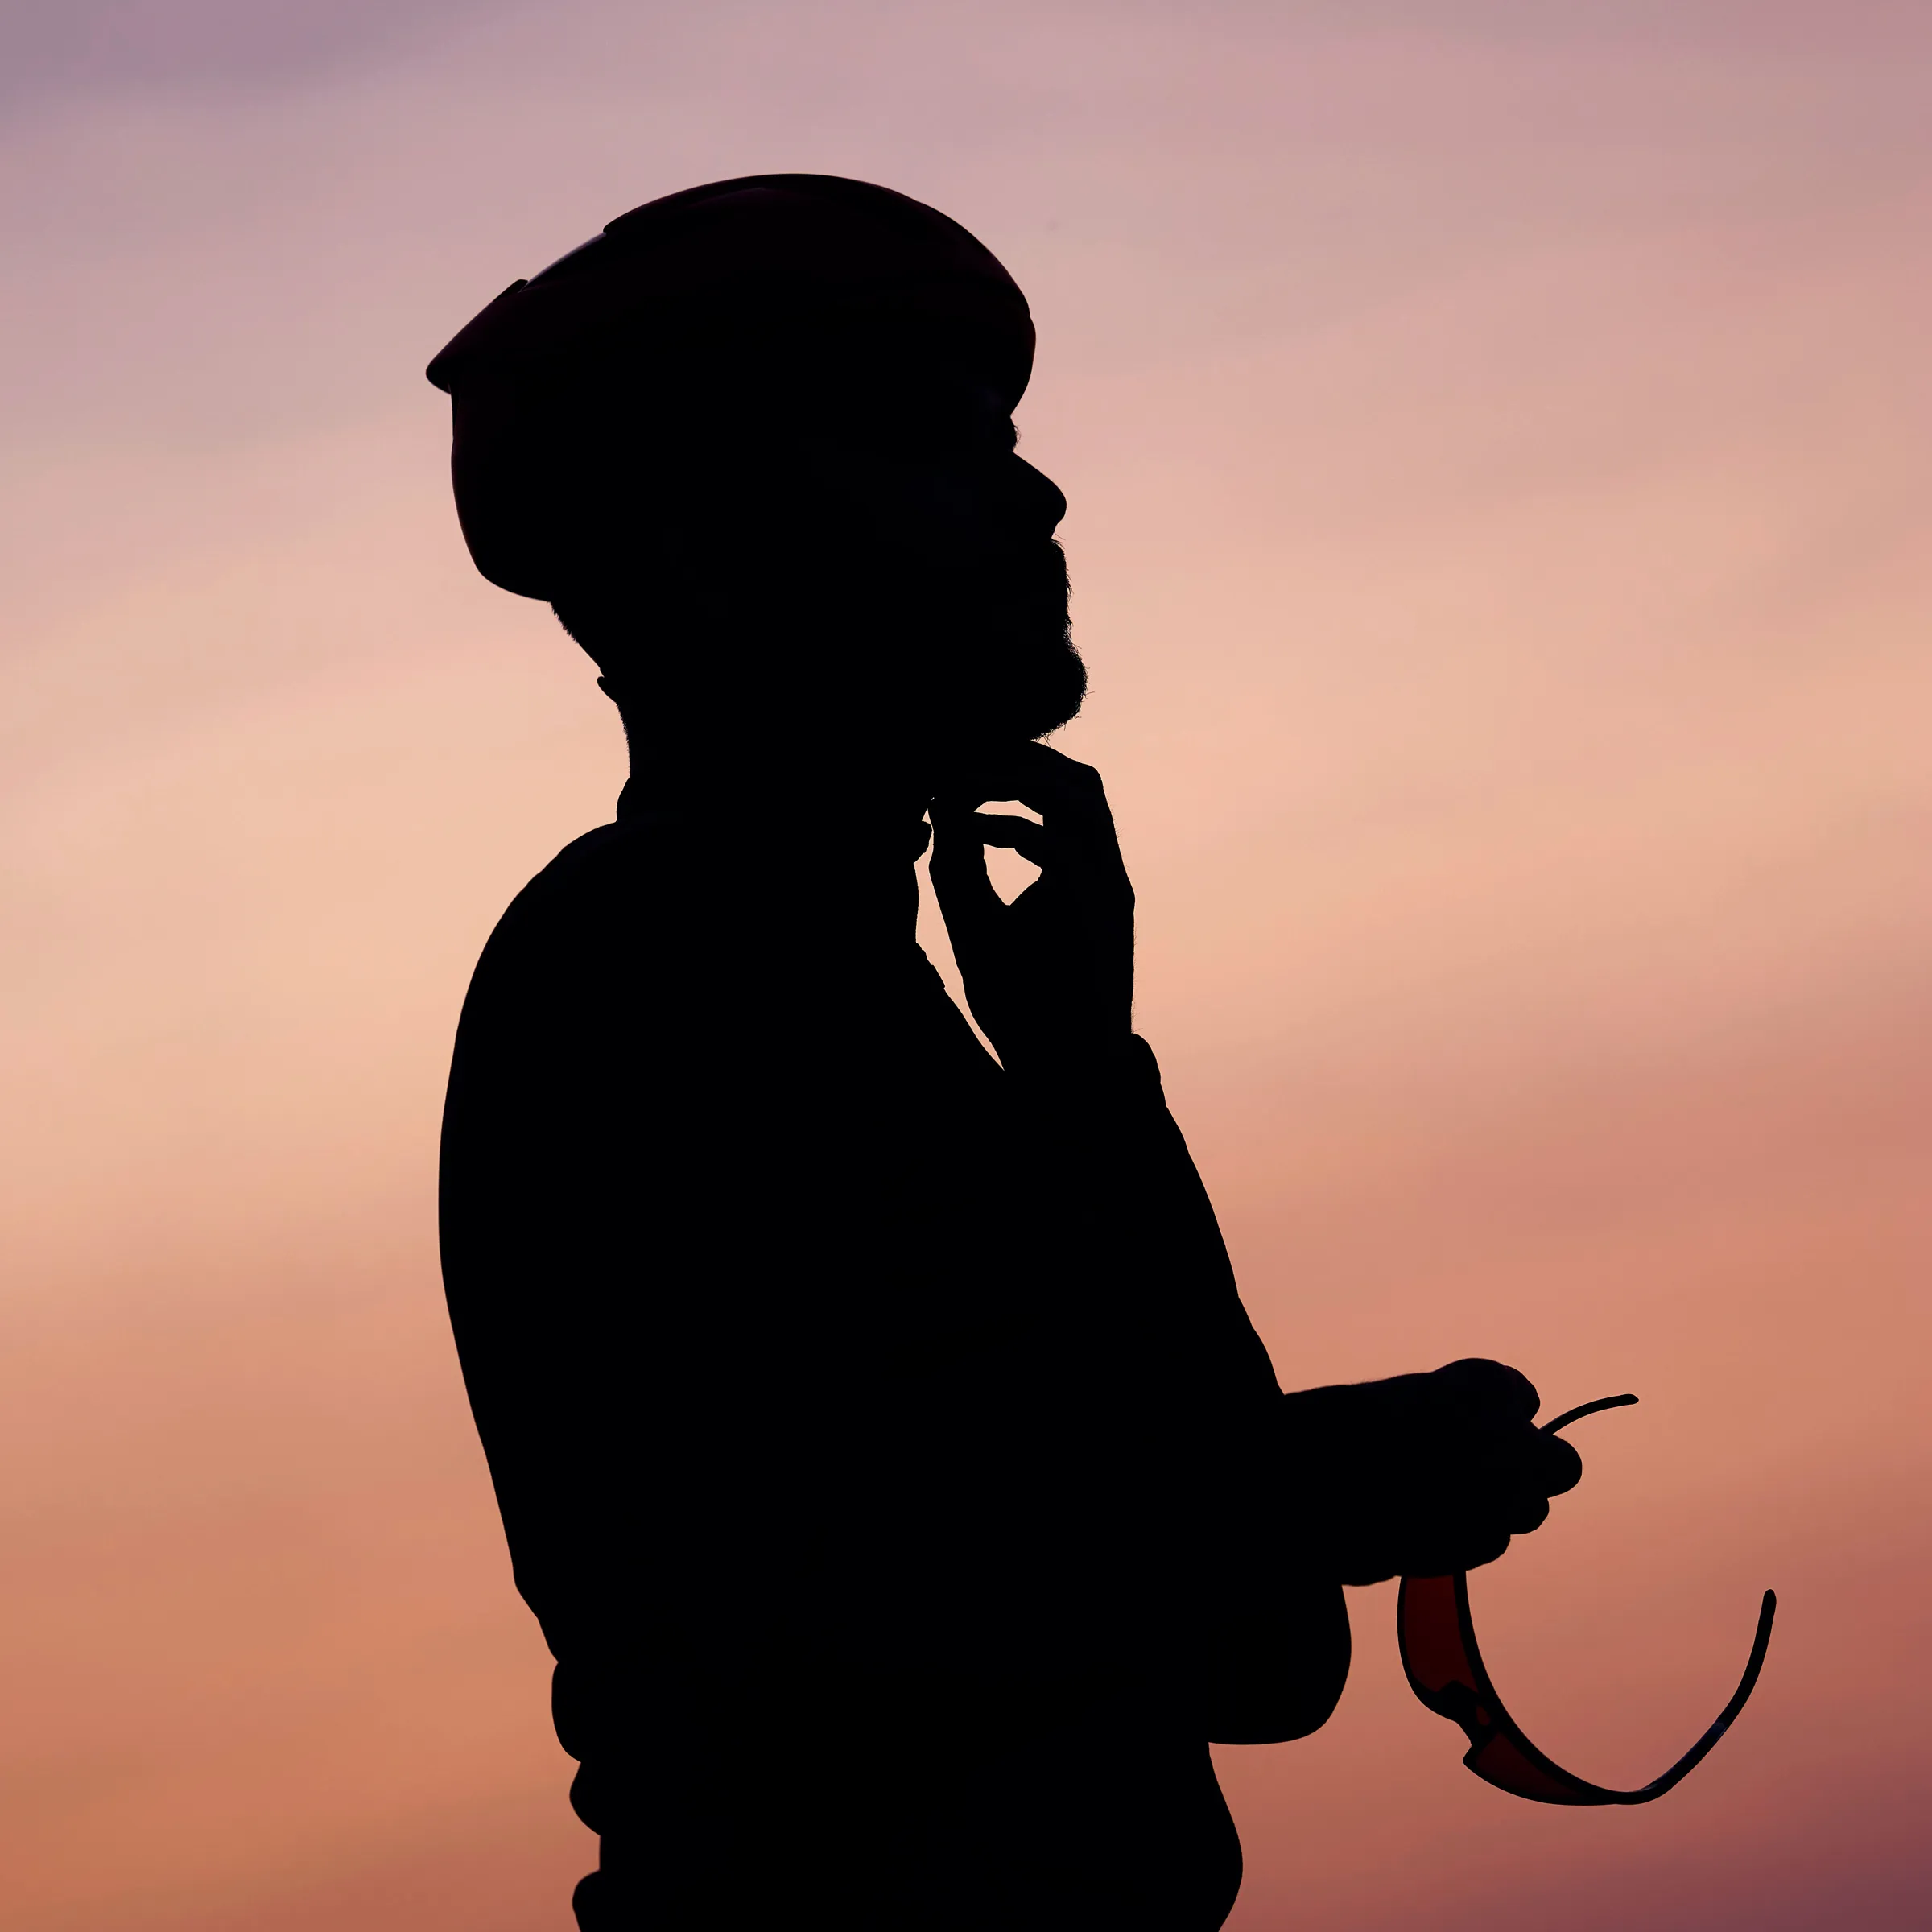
{"points": [[874, 560], [776, 416], [956, 585]]}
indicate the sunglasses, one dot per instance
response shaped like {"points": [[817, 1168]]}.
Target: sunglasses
{"points": [[1446, 1670]]}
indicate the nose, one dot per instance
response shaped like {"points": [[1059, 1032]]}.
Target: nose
{"points": [[1038, 499]]}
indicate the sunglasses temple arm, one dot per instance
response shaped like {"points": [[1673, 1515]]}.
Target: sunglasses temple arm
{"points": [[1578, 1413], [1759, 1644]]}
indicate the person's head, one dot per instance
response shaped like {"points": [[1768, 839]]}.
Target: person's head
{"points": [[755, 445]]}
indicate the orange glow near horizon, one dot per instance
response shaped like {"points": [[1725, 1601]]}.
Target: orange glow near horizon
{"points": [[1498, 451]]}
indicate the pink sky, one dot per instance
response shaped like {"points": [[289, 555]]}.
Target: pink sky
{"points": [[1499, 443]]}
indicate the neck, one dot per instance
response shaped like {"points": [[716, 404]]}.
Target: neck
{"points": [[852, 815], [760, 767]]}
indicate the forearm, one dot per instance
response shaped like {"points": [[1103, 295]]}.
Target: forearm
{"points": [[1132, 1215]]}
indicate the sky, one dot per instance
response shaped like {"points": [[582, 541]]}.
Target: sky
{"points": [[1499, 439]]}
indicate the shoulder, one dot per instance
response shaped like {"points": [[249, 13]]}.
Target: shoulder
{"points": [[582, 925], [584, 877], [597, 887]]}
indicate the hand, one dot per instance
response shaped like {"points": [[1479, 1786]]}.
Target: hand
{"points": [[1423, 1474], [1050, 978]]}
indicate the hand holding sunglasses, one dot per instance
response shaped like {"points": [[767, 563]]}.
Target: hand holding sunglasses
{"points": [[1421, 1475], [1446, 1671]]}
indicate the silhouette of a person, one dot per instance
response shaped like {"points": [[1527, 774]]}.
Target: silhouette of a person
{"points": [[905, 1496]]}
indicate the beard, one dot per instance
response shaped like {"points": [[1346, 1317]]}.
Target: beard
{"points": [[991, 645], [964, 656]]}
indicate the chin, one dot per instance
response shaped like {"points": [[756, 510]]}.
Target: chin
{"points": [[1010, 670], [1055, 694], [991, 713]]}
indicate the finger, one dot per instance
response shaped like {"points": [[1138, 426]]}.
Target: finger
{"points": [[1358, 1572], [1027, 836], [1560, 1468], [966, 895], [1530, 1512], [1086, 854], [1050, 783], [1460, 1545], [1483, 1546], [1483, 1385], [1056, 786]]}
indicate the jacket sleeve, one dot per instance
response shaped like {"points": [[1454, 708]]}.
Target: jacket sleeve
{"points": [[1206, 1503]]}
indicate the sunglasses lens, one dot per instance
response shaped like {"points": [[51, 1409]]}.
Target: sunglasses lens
{"points": [[1429, 1625], [1438, 1652]]}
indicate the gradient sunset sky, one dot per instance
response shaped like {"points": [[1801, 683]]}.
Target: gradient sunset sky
{"points": [[1499, 438]]}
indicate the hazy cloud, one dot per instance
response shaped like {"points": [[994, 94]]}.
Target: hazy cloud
{"points": [[51, 48]]}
